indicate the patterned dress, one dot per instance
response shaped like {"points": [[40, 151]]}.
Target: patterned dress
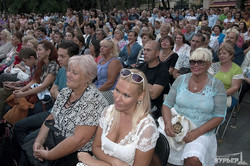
{"points": [[85, 112]]}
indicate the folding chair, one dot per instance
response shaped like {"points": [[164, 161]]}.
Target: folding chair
{"points": [[162, 149], [233, 111]]}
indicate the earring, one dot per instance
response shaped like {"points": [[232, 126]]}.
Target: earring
{"points": [[138, 102], [87, 82]]}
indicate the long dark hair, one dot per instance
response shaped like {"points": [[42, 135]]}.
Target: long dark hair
{"points": [[95, 11], [52, 57], [49, 46]]}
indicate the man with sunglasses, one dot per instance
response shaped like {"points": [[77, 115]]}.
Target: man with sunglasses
{"points": [[182, 65], [157, 75]]}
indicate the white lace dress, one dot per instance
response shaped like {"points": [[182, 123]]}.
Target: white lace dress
{"points": [[143, 138]]}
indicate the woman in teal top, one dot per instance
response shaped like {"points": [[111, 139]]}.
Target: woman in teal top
{"points": [[201, 98]]}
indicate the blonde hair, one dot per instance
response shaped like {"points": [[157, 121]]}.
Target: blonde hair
{"points": [[8, 34], [34, 42], [228, 48], [232, 30], [166, 27], [112, 44], [87, 65], [202, 54], [142, 108], [26, 38], [120, 32], [30, 32]]}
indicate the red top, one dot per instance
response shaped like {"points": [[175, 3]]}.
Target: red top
{"points": [[17, 60]]}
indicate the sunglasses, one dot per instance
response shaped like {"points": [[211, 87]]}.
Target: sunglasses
{"points": [[136, 78], [199, 62]]}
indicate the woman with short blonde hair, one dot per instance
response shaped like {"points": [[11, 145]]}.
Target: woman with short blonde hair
{"points": [[201, 98]]}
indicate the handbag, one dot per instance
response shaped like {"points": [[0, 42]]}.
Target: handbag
{"points": [[20, 74], [51, 141], [229, 101], [181, 126]]}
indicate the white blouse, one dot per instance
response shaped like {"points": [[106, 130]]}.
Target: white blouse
{"points": [[183, 49], [143, 138]]}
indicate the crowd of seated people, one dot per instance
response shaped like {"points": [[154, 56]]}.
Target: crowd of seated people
{"points": [[64, 66]]}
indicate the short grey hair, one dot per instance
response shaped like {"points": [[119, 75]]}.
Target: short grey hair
{"points": [[87, 65]]}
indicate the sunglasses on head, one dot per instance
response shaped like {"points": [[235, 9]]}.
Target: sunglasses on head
{"points": [[136, 78], [199, 62]]}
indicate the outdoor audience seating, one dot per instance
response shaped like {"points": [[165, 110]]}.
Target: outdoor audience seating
{"points": [[230, 113], [162, 149]]}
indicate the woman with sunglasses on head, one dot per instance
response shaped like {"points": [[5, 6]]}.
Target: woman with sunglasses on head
{"points": [[127, 133], [201, 98]]}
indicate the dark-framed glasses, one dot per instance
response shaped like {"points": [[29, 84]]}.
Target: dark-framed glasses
{"points": [[199, 62]]}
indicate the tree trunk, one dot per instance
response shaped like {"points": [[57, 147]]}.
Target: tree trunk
{"points": [[153, 4], [168, 4], [99, 6], [240, 4], [164, 4], [110, 5], [137, 3]]}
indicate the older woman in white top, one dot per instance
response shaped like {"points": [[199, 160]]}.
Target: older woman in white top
{"points": [[180, 45]]}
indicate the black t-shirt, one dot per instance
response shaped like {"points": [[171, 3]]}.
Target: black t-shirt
{"points": [[157, 75], [144, 20], [171, 61]]}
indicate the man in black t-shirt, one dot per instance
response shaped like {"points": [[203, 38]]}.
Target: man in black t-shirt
{"points": [[157, 75]]}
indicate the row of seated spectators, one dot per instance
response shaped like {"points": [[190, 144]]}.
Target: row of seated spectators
{"points": [[32, 76]]}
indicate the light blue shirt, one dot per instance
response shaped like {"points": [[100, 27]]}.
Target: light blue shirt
{"points": [[212, 20], [198, 107]]}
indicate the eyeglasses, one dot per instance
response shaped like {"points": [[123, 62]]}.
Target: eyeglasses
{"points": [[199, 62], [136, 78]]}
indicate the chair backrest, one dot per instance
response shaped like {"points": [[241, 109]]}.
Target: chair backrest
{"points": [[162, 149]]}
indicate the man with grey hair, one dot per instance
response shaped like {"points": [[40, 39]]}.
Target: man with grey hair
{"points": [[182, 65], [100, 34], [232, 38], [189, 33], [157, 75]]}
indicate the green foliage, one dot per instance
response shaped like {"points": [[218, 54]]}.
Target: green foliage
{"points": [[37, 6], [194, 5]]}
